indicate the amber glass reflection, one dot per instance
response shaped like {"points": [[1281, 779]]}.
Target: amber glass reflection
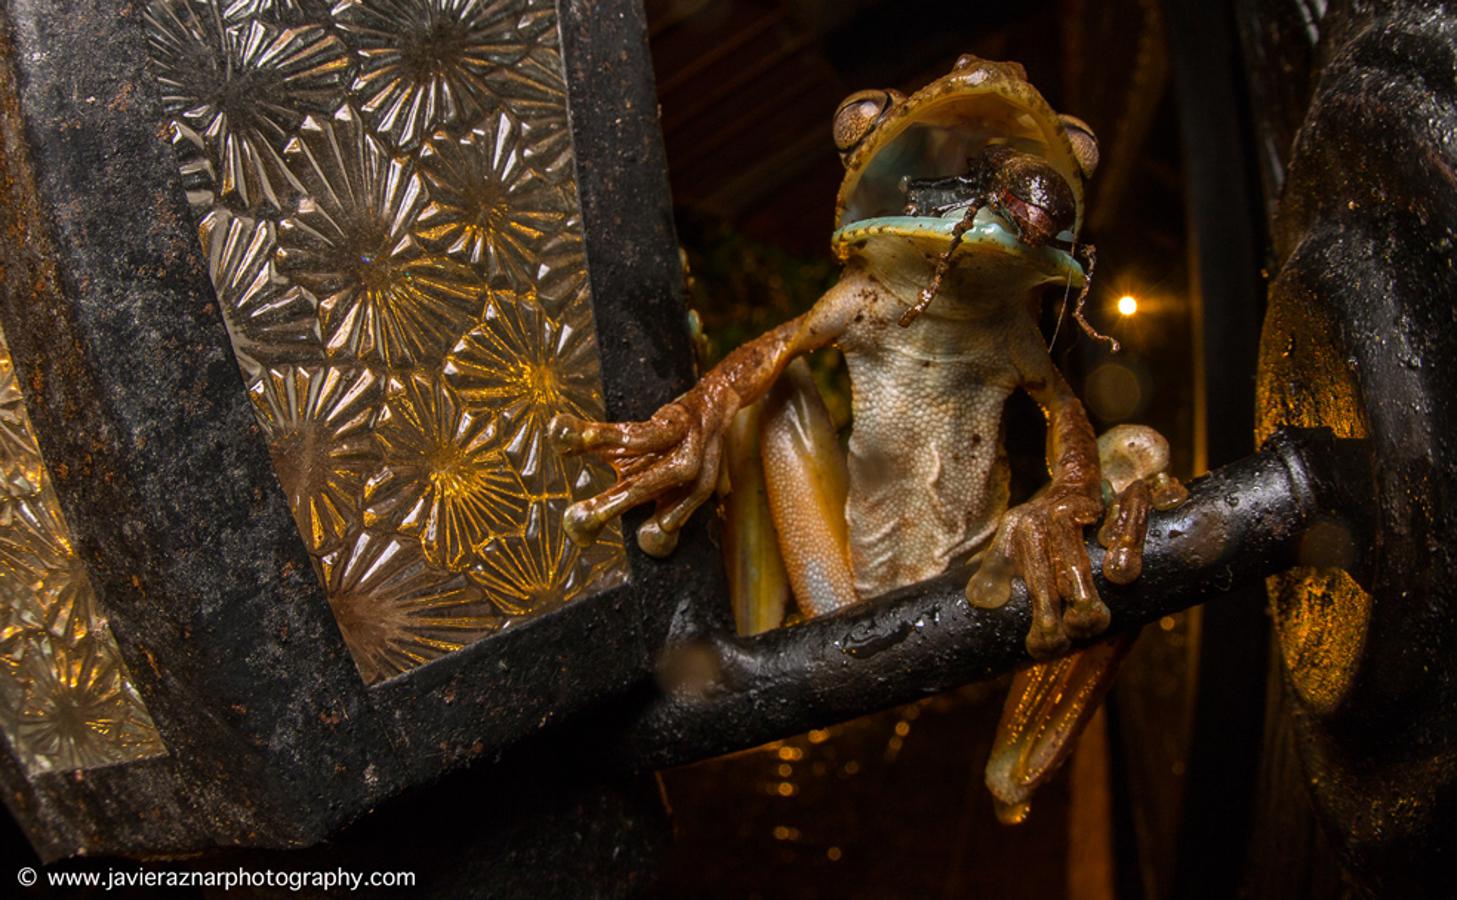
{"points": [[386, 198], [66, 699]]}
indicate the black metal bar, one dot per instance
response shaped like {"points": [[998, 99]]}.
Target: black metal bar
{"points": [[1239, 524], [1225, 215]]}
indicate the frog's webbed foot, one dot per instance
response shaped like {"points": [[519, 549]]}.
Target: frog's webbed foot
{"points": [[672, 458], [1046, 710], [1134, 460], [1041, 541]]}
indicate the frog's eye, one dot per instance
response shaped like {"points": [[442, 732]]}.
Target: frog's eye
{"points": [[858, 114], [1085, 143]]}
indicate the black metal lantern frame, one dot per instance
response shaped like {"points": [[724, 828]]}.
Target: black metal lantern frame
{"points": [[272, 737]]}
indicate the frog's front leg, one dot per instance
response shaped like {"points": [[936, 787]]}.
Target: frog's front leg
{"points": [[1135, 464], [1042, 540], [673, 458]]}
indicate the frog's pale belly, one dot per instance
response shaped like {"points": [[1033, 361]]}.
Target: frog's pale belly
{"points": [[928, 475]]}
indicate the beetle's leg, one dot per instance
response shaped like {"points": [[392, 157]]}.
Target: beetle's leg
{"points": [[943, 264], [1089, 255], [806, 483]]}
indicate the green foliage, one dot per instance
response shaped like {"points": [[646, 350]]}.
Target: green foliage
{"points": [[741, 287]]}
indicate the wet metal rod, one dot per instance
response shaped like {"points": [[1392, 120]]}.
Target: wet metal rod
{"points": [[1240, 523]]}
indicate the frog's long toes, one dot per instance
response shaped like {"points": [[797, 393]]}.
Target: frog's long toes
{"points": [[990, 586], [1048, 642], [1123, 563], [567, 432], [1011, 813], [1168, 492], [1085, 620], [581, 524], [655, 540]]}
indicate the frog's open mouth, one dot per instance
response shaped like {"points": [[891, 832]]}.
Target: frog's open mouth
{"points": [[988, 233], [931, 135]]}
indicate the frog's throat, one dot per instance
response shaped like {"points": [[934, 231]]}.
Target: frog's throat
{"points": [[932, 235]]}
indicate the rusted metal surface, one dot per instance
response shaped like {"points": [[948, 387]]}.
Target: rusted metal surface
{"points": [[161, 469]]}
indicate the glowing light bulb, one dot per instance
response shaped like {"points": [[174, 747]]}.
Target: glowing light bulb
{"points": [[1127, 304]]}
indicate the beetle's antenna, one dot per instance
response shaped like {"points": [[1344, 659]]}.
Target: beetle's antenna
{"points": [[1061, 312], [943, 265], [1090, 253]]}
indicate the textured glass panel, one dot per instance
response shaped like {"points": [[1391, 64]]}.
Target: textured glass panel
{"points": [[66, 700], [386, 198]]}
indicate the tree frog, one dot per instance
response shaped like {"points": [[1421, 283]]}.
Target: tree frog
{"points": [[960, 205]]}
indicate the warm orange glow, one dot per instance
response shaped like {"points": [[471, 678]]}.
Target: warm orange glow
{"points": [[1127, 304]]}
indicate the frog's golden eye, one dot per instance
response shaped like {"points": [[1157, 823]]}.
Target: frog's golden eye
{"points": [[1085, 143], [858, 114]]}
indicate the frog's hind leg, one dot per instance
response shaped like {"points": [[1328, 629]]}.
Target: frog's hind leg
{"points": [[784, 513], [1045, 712], [758, 583], [806, 483]]}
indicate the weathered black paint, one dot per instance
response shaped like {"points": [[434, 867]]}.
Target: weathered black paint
{"points": [[1363, 239], [1240, 524], [167, 484]]}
